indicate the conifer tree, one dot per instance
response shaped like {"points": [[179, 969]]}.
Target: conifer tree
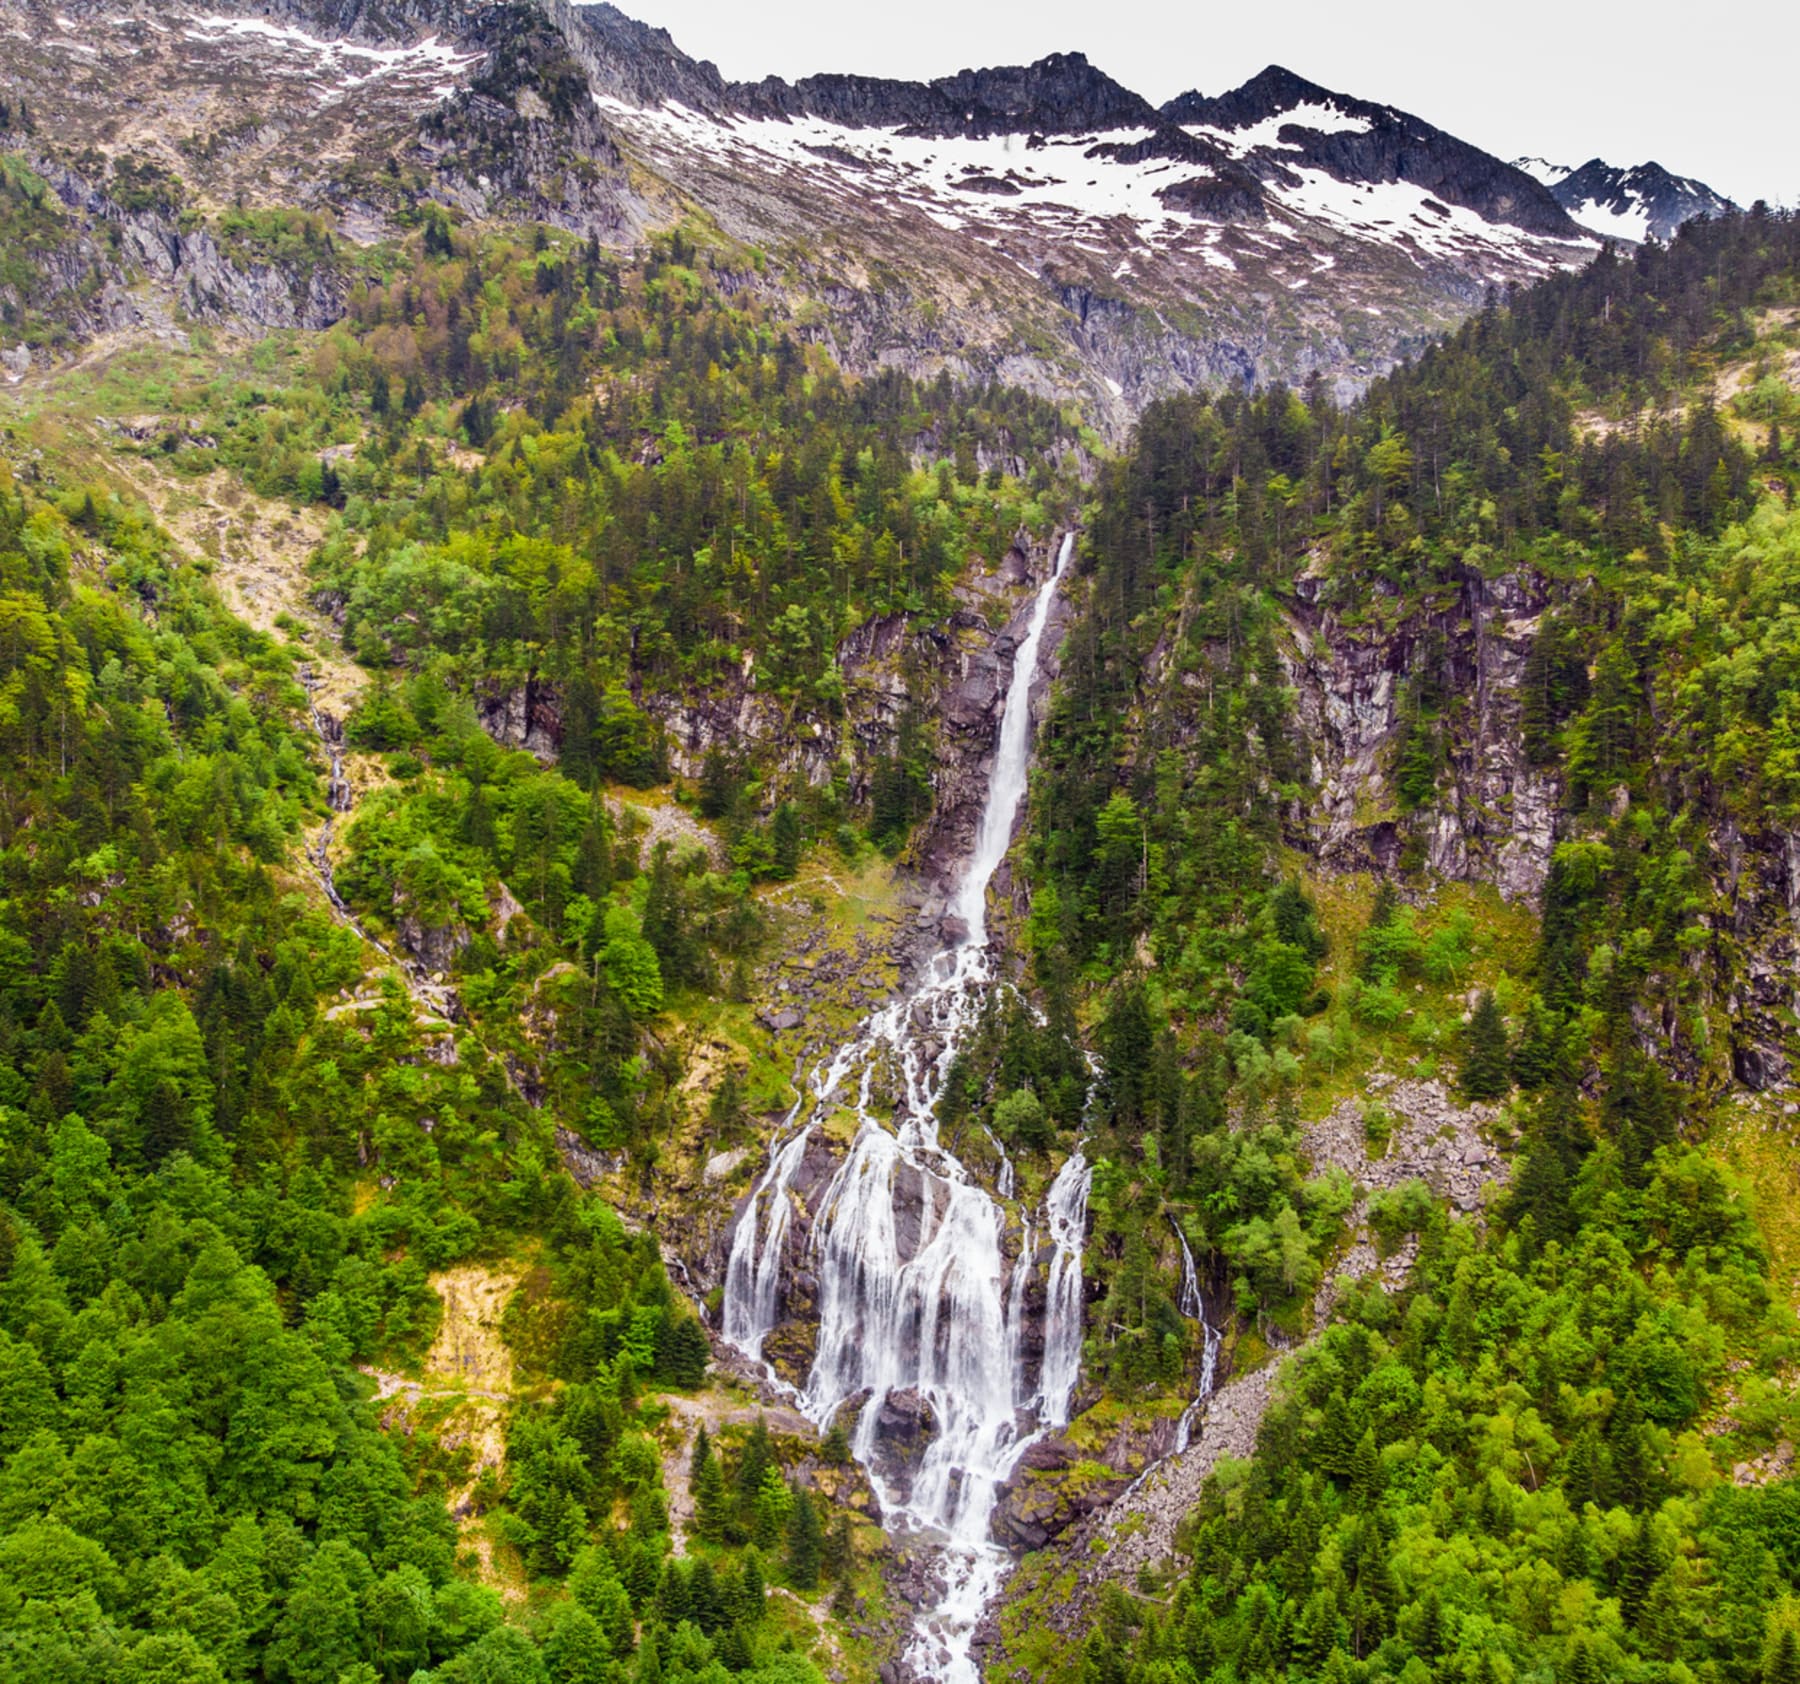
{"points": [[805, 1542], [1485, 1071]]}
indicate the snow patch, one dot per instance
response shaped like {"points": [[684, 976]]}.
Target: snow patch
{"points": [[1613, 224], [1266, 132], [333, 59]]}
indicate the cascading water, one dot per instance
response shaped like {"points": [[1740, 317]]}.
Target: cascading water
{"points": [[1189, 1302], [933, 1312], [1192, 1304]]}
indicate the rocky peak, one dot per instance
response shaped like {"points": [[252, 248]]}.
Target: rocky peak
{"points": [[637, 63], [1060, 94], [1360, 143], [1640, 203], [1271, 92]]}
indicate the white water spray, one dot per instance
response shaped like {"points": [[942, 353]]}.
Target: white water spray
{"points": [[929, 1312]]}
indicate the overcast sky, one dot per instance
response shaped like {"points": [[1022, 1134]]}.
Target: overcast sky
{"points": [[1704, 89]]}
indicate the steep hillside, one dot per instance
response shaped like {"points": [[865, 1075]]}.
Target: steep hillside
{"points": [[550, 1128], [1516, 623]]}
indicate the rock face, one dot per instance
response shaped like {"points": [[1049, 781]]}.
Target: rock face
{"points": [[1495, 819], [529, 717], [1057, 1485], [905, 1425], [433, 947]]}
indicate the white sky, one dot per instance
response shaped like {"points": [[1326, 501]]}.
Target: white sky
{"points": [[1702, 89]]}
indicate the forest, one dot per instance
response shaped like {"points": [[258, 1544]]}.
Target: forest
{"points": [[235, 1149], [235, 1154], [1518, 1467]]}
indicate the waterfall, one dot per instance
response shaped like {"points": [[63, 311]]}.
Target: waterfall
{"points": [[1189, 1302], [932, 1312], [1192, 1304]]}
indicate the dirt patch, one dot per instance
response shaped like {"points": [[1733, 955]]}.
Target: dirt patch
{"points": [[665, 820], [462, 1397], [712, 1409], [469, 1348]]}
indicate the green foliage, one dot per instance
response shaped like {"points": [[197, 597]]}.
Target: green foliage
{"points": [[1486, 1071], [219, 1189], [1527, 1419]]}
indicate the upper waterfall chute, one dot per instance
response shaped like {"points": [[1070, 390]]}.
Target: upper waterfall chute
{"points": [[1011, 767]]}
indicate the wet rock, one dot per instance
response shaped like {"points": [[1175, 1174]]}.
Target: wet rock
{"points": [[905, 1424]]}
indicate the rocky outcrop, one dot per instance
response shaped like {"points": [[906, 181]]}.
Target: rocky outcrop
{"points": [[1495, 814], [905, 1425], [1755, 968], [1358, 671], [123, 266], [528, 717], [432, 947]]}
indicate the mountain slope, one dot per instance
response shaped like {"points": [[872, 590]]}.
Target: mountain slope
{"points": [[1040, 224]]}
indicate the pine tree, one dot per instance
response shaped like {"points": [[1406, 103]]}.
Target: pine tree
{"points": [[758, 1457], [719, 785], [1638, 1567], [785, 838], [805, 1541], [712, 1503], [840, 1553], [1486, 1073], [753, 1594], [1537, 1054], [1783, 1666]]}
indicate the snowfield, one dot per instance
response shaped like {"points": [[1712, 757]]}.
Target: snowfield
{"points": [[1015, 192]]}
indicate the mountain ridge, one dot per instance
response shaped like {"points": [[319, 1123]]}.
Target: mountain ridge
{"points": [[1040, 224]]}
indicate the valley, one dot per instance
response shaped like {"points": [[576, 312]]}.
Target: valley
{"points": [[870, 881]]}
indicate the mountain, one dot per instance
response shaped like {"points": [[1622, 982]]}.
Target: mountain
{"points": [[1046, 223], [1638, 204], [1041, 224], [689, 991]]}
